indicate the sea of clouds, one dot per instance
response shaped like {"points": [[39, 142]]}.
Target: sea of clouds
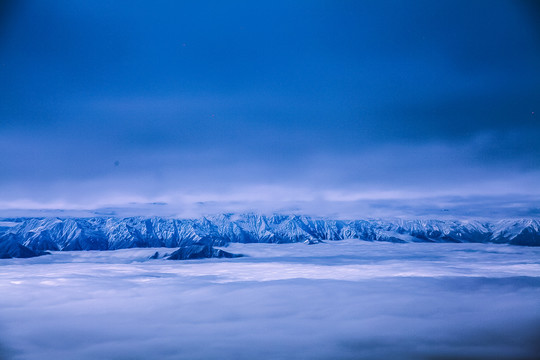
{"points": [[348, 299]]}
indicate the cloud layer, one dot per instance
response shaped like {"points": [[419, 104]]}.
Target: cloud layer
{"points": [[347, 300], [104, 106]]}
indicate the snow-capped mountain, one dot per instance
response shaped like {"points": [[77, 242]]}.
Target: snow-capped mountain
{"points": [[29, 236]]}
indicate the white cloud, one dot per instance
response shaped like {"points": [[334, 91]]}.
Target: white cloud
{"points": [[349, 300], [364, 181]]}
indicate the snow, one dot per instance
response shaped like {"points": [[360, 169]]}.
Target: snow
{"points": [[119, 233]]}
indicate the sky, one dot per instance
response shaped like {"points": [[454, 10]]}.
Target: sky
{"points": [[329, 108]]}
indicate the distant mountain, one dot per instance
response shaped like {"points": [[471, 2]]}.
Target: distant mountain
{"points": [[20, 237], [200, 251]]}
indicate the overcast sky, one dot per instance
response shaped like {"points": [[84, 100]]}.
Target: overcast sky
{"points": [[269, 105]]}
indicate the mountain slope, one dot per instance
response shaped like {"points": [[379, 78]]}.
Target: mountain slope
{"points": [[99, 233]]}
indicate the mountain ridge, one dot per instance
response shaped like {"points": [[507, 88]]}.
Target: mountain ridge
{"points": [[38, 235]]}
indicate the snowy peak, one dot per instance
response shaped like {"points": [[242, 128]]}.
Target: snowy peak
{"points": [[56, 234]]}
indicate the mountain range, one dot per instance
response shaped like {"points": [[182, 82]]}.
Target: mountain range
{"points": [[27, 237]]}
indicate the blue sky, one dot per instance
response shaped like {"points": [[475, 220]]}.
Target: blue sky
{"points": [[271, 106]]}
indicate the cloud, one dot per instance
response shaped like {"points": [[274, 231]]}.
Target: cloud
{"points": [[347, 299], [294, 103], [469, 179]]}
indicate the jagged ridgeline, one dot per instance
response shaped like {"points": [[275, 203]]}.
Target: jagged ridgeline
{"points": [[26, 237]]}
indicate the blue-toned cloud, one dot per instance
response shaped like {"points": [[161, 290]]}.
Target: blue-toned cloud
{"points": [[347, 299], [104, 105]]}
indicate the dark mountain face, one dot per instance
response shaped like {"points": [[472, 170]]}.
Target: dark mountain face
{"points": [[11, 248], [200, 251]]}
